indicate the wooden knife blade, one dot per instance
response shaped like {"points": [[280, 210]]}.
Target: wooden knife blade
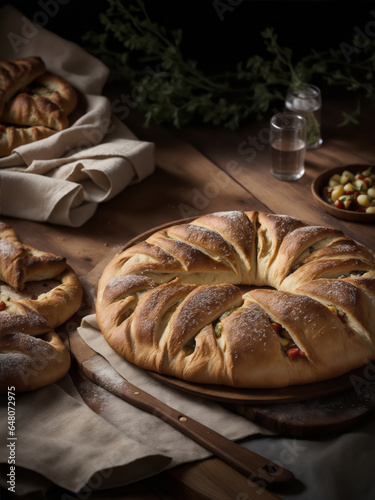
{"points": [[96, 368]]}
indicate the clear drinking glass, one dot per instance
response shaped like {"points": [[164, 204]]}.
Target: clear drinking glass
{"points": [[288, 146], [307, 101]]}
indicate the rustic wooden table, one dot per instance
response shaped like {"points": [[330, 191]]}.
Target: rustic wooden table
{"points": [[201, 170]]}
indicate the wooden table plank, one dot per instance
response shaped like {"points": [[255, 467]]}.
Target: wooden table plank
{"points": [[201, 481]]}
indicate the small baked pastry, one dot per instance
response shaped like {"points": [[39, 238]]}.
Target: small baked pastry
{"points": [[175, 303], [13, 137], [28, 363], [46, 102], [54, 294], [57, 90], [26, 110], [17, 74], [20, 263]]}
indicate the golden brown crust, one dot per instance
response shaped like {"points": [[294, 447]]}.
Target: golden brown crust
{"points": [[16, 74], [44, 313], [33, 104], [13, 137], [328, 343], [20, 263], [57, 90], [171, 304], [46, 102], [28, 363], [352, 303], [30, 110]]}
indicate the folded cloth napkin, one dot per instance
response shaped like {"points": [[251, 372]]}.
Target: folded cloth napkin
{"points": [[58, 438], [63, 178]]}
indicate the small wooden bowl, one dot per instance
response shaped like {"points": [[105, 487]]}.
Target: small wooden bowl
{"points": [[317, 189]]}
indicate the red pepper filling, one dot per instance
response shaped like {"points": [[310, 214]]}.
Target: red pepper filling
{"points": [[277, 327], [291, 350], [2, 305], [295, 352]]}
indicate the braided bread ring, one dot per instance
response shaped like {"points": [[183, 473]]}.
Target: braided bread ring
{"points": [[172, 304], [26, 362]]}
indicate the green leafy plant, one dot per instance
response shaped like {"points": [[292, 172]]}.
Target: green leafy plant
{"points": [[145, 56]]}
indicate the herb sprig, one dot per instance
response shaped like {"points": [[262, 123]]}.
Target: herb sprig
{"points": [[172, 89]]}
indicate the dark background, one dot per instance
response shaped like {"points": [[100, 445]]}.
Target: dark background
{"points": [[215, 40]]}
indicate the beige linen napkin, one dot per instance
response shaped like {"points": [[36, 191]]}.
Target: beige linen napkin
{"points": [[58, 438], [63, 178]]}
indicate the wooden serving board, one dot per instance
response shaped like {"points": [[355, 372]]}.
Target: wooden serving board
{"points": [[317, 409], [284, 395], [316, 417]]}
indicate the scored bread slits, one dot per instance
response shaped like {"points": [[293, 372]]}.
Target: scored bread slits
{"points": [[34, 104], [332, 268], [148, 318], [250, 341], [208, 302], [208, 242], [25, 110], [349, 302], [303, 245], [239, 231], [311, 325], [272, 229], [146, 257], [331, 253], [191, 258], [120, 287], [13, 137]]}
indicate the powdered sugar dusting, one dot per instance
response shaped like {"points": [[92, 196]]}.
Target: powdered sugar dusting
{"points": [[8, 250], [230, 214], [204, 303], [337, 290], [21, 353]]}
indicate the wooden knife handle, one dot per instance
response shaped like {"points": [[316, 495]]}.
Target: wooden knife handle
{"points": [[247, 462]]}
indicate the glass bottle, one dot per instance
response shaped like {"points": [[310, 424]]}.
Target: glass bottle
{"points": [[306, 101]]}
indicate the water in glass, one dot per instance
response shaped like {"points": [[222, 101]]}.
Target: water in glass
{"points": [[288, 158]]}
